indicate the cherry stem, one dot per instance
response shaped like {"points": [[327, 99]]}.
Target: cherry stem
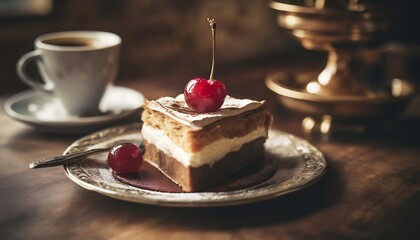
{"points": [[212, 23]]}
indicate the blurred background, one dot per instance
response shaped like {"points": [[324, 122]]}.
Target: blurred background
{"points": [[168, 37], [159, 37]]}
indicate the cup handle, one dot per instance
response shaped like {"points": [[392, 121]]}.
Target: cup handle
{"points": [[24, 76]]}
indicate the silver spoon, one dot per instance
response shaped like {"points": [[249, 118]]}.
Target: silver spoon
{"points": [[71, 158], [65, 159]]}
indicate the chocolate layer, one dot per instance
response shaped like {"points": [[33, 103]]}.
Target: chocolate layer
{"points": [[194, 179], [149, 177]]}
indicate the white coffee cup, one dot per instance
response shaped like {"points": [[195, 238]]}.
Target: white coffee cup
{"points": [[76, 66]]}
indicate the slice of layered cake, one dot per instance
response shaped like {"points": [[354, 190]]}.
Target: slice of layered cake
{"points": [[195, 149]]}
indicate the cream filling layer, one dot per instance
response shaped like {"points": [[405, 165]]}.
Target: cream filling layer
{"points": [[208, 155]]}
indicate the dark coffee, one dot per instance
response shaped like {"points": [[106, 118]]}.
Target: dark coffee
{"points": [[70, 42]]}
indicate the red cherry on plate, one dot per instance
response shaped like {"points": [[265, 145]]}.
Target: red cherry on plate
{"points": [[125, 158], [204, 95]]}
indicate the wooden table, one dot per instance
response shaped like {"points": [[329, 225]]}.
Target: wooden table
{"points": [[370, 190]]}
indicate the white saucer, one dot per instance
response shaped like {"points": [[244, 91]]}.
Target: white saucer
{"points": [[46, 113]]}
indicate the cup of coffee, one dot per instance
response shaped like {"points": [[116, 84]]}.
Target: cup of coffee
{"points": [[76, 66]]}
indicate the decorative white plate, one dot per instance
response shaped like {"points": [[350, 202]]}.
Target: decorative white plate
{"points": [[45, 112], [299, 164]]}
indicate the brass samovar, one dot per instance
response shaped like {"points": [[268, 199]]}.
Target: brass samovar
{"points": [[341, 92]]}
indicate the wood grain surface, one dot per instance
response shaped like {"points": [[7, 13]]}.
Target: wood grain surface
{"points": [[370, 190]]}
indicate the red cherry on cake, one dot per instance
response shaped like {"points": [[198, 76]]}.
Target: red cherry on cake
{"points": [[204, 95], [125, 158]]}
